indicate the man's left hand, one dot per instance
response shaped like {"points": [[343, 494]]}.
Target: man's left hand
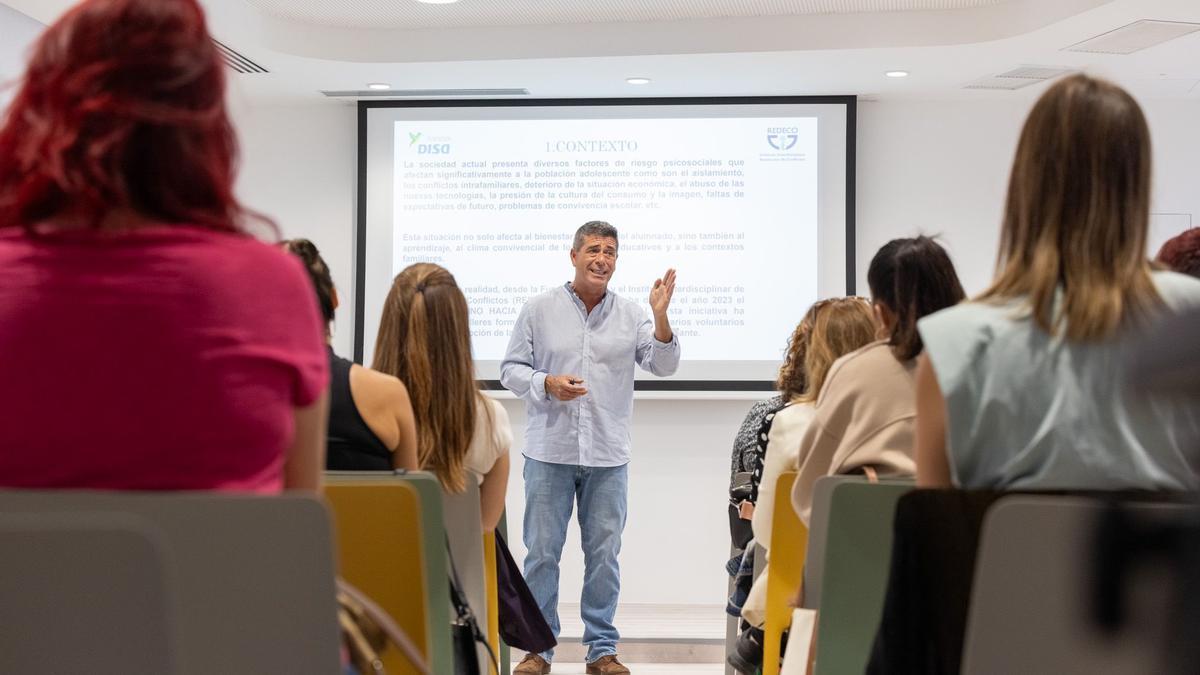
{"points": [[661, 292]]}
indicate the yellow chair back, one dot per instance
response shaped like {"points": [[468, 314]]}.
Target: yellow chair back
{"points": [[493, 597], [788, 546], [380, 550]]}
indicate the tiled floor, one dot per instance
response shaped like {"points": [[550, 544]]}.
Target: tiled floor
{"points": [[655, 639], [653, 621], [650, 668]]}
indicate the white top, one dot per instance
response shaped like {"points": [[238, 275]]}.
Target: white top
{"points": [[1028, 410], [783, 454], [488, 443]]}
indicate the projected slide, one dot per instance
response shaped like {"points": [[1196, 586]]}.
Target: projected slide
{"points": [[731, 203]]}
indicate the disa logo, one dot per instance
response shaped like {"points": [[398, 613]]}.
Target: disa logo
{"points": [[432, 145], [782, 138]]}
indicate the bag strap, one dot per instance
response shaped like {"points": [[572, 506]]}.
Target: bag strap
{"points": [[462, 608], [364, 655], [384, 622]]}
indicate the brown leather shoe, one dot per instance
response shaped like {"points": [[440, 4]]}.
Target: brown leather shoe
{"points": [[607, 665], [533, 664]]}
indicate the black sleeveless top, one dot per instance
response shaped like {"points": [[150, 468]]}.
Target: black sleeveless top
{"points": [[352, 446]]}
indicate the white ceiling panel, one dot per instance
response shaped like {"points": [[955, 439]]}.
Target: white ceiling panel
{"points": [[737, 56], [410, 14]]}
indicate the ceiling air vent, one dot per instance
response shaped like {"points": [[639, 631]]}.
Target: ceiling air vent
{"points": [[426, 93], [1039, 73], [1019, 77], [238, 61], [1135, 37]]}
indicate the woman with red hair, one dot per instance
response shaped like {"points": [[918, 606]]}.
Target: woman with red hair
{"points": [[147, 341], [1181, 253]]}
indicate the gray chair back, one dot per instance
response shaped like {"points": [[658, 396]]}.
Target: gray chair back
{"points": [[1030, 598], [252, 577], [84, 593], [461, 514]]}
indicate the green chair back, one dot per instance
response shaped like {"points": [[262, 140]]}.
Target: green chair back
{"points": [[858, 548], [818, 527]]}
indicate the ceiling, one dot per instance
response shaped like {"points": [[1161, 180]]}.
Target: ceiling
{"points": [[479, 13], [577, 48]]}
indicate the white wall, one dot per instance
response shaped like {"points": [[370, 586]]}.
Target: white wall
{"points": [[17, 33], [1176, 199], [298, 167], [942, 168], [935, 168], [939, 168]]}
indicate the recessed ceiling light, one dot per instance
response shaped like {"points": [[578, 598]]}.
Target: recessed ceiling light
{"points": [[897, 73], [638, 80], [379, 86]]}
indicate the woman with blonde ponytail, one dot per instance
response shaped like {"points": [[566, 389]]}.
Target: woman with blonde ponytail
{"points": [[425, 340]]}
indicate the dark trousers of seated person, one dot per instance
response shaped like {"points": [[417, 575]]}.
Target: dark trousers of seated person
{"points": [[935, 539]]}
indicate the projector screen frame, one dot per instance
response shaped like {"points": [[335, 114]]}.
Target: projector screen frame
{"points": [[360, 273]]}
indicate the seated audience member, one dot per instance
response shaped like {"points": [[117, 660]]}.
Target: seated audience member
{"points": [[749, 449], [1181, 253], [149, 342], [371, 425], [749, 445], [864, 414], [425, 340], [831, 329], [742, 466], [1024, 387]]}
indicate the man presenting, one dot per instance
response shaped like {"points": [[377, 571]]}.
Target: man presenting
{"points": [[571, 359]]}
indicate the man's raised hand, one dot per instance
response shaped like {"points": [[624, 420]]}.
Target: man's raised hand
{"points": [[661, 292]]}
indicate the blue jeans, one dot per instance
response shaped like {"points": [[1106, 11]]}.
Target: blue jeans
{"points": [[550, 494]]}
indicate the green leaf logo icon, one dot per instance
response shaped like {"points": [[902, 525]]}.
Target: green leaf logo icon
{"points": [[413, 138]]}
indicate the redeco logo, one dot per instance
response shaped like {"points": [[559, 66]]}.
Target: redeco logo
{"points": [[782, 138], [430, 145]]}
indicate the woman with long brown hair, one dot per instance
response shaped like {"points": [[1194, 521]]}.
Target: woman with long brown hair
{"points": [[425, 340], [1023, 388]]}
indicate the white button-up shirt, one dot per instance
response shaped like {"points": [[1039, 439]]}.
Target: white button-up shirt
{"points": [[555, 335]]}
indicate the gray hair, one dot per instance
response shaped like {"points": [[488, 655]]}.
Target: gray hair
{"points": [[594, 228]]}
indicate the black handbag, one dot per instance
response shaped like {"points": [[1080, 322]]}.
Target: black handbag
{"points": [[466, 660], [740, 530], [464, 629], [521, 622], [741, 487]]}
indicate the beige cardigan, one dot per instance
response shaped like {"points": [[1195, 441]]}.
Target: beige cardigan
{"points": [[865, 416]]}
